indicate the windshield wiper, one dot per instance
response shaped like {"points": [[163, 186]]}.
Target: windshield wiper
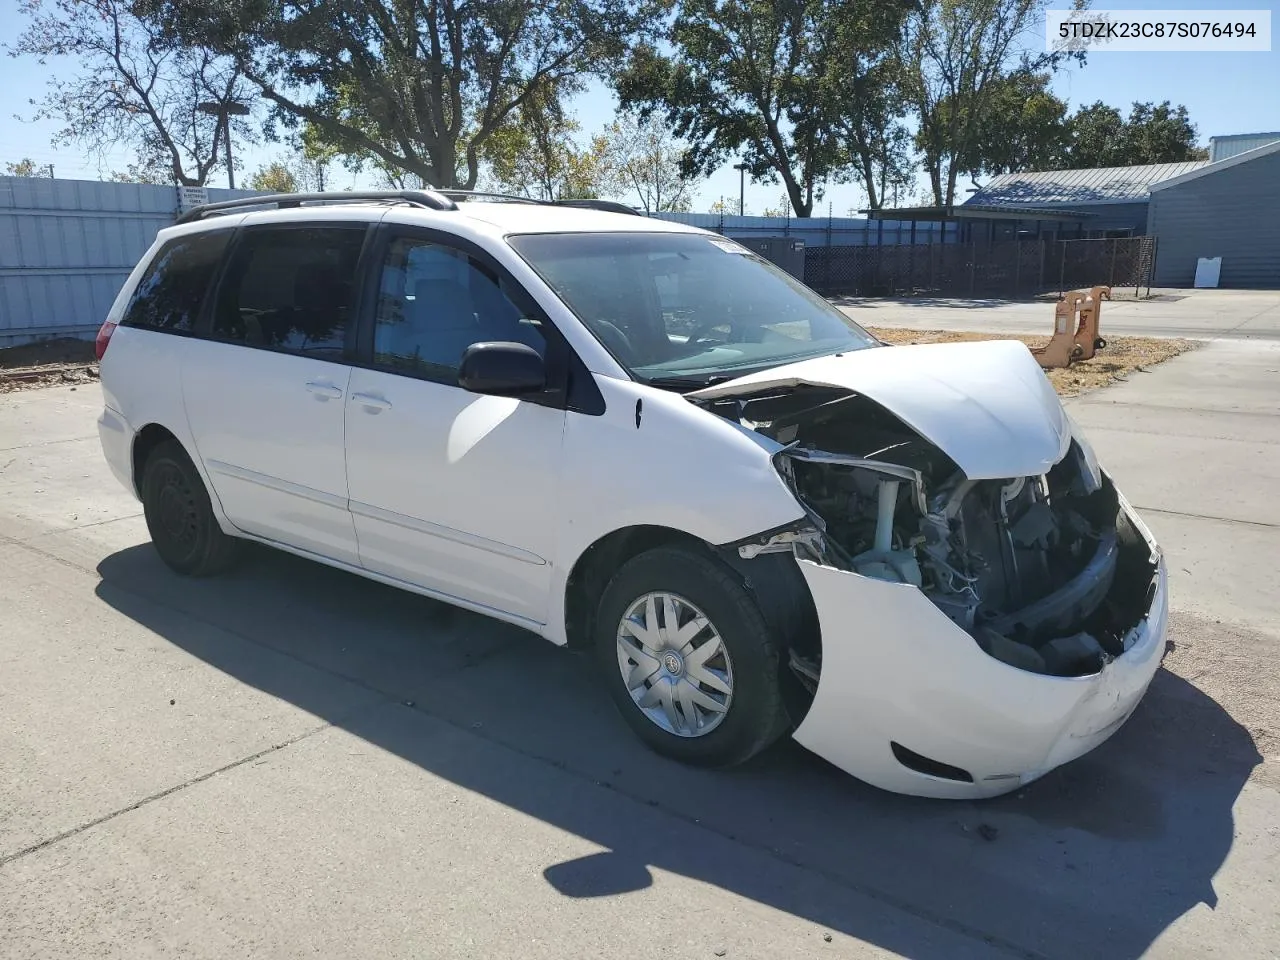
{"points": [[692, 382]]}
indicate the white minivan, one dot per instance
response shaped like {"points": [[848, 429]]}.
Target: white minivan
{"points": [[641, 438]]}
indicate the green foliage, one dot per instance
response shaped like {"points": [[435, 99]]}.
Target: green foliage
{"points": [[767, 80], [419, 86], [316, 157], [643, 160], [137, 173], [536, 154], [861, 89], [131, 88], [275, 177], [956, 56], [1102, 137], [1024, 127], [26, 167]]}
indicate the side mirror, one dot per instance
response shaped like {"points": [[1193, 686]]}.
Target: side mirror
{"points": [[503, 369]]}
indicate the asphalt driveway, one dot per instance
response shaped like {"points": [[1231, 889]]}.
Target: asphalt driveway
{"points": [[291, 761]]}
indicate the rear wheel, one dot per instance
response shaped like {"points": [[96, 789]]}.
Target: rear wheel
{"points": [[689, 660], [179, 516]]}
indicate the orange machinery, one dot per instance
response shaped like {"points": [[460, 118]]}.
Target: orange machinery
{"points": [[1075, 328]]}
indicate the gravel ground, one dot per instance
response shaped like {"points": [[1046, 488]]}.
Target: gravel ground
{"points": [[46, 364]]}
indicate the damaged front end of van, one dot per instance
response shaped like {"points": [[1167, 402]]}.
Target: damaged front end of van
{"points": [[989, 605]]}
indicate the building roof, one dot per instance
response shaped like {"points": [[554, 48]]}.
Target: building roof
{"points": [[1096, 185], [1227, 137], [1222, 148], [977, 211], [1205, 169]]}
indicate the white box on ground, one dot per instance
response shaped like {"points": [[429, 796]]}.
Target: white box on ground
{"points": [[1208, 269]]}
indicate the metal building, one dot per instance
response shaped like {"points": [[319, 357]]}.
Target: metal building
{"points": [[1093, 203], [1223, 148], [1106, 201], [1228, 209]]}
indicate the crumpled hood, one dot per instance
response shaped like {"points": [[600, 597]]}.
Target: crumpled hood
{"points": [[987, 405]]}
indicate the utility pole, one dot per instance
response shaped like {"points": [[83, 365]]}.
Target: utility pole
{"points": [[224, 112], [742, 186], [51, 171]]}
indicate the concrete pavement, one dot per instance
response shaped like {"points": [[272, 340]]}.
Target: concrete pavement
{"points": [[1199, 314], [292, 761]]}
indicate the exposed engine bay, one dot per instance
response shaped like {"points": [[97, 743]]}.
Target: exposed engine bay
{"points": [[1046, 573]]}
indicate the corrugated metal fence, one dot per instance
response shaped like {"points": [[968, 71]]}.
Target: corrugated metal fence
{"points": [[67, 246], [821, 231]]}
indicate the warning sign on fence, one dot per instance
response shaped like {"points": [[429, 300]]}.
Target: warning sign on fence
{"points": [[189, 197]]}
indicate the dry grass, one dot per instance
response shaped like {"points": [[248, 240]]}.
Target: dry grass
{"points": [[1121, 357]]}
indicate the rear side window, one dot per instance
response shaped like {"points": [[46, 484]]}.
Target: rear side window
{"points": [[170, 293], [290, 289]]}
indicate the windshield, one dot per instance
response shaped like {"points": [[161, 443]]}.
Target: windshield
{"points": [[687, 307]]}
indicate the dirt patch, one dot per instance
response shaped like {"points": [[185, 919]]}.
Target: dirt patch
{"points": [[1121, 357], [47, 363]]}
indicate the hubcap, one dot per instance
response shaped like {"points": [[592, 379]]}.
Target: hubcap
{"points": [[674, 664], [176, 510]]}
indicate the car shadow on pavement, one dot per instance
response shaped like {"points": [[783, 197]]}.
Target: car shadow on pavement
{"points": [[1097, 859]]}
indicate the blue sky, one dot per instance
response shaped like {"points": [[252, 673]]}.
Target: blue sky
{"points": [[1224, 92]]}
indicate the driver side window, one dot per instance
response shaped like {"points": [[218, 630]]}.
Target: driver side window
{"points": [[435, 301]]}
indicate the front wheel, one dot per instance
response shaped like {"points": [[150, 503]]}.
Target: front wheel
{"points": [[689, 660]]}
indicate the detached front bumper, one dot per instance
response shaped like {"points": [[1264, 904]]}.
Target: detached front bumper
{"points": [[896, 670]]}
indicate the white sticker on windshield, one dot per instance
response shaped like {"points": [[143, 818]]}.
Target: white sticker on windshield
{"points": [[728, 246]]}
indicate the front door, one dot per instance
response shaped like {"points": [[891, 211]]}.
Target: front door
{"points": [[266, 399], [451, 490]]}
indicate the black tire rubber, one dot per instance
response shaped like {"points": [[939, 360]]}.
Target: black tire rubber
{"points": [[174, 496], [756, 716]]}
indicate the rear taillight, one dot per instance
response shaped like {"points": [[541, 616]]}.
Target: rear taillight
{"points": [[103, 339]]}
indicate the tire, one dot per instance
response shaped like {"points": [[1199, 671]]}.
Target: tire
{"points": [[179, 517], [754, 716]]}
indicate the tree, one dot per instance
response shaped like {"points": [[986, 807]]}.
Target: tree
{"points": [[644, 159], [134, 173], [955, 55], [132, 88], [724, 208], [275, 177], [753, 78], [780, 210], [1097, 137], [1024, 127], [1102, 137], [26, 167], [537, 155], [859, 82], [316, 156], [420, 85]]}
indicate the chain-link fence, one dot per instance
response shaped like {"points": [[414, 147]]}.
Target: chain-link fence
{"points": [[1015, 268]]}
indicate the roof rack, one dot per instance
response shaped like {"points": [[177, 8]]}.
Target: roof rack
{"points": [[429, 199], [487, 195], [611, 206]]}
